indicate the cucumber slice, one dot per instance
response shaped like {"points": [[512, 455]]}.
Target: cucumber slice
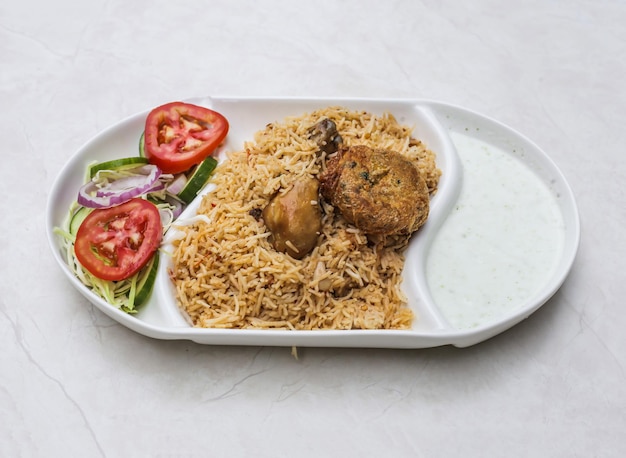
{"points": [[77, 219], [146, 282], [117, 164], [197, 180], [142, 145]]}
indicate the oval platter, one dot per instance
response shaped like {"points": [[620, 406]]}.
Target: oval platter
{"points": [[490, 254]]}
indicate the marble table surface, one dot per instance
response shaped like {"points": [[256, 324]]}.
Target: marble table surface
{"points": [[73, 382]]}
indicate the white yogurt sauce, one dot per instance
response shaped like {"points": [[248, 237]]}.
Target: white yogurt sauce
{"points": [[500, 243]]}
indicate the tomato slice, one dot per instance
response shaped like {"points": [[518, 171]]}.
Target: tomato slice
{"points": [[115, 243], [180, 135]]}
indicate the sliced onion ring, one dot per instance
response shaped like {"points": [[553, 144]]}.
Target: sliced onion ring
{"points": [[177, 205], [170, 208], [177, 184], [136, 182]]}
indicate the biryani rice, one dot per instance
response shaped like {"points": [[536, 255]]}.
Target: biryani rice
{"points": [[228, 275]]}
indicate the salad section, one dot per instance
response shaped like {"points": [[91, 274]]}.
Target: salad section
{"points": [[113, 231]]}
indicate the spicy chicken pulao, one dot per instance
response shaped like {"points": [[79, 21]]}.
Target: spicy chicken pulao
{"points": [[272, 251]]}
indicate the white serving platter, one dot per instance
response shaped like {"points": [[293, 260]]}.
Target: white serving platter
{"points": [[459, 317]]}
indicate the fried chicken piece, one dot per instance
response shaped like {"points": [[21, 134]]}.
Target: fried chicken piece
{"points": [[381, 192], [294, 218]]}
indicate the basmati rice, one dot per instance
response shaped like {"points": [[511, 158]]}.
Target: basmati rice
{"points": [[228, 275]]}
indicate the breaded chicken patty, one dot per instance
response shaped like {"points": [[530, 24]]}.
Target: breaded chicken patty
{"points": [[381, 192]]}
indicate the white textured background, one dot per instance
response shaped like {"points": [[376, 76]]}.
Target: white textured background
{"points": [[75, 383]]}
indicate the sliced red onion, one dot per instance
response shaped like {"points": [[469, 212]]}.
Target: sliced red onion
{"points": [[177, 206], [158, 186], [177, 185], [141, 177], [137, 181], [173, 211]]}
